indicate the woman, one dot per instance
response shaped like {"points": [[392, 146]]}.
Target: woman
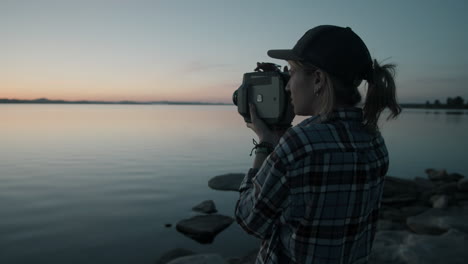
{"points": [[313, 195]]}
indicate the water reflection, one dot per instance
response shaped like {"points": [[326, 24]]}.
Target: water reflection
{"points": [[449, 116], [126, 170]]}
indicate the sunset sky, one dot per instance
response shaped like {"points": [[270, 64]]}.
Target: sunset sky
{"points": [[198, 50]]}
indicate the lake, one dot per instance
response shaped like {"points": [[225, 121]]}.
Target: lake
{"points": [[98, 183]]}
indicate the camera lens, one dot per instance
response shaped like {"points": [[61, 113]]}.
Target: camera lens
{"points": [[234, 97]]}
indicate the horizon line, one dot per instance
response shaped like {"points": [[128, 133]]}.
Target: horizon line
{"points": [[61, 101]]}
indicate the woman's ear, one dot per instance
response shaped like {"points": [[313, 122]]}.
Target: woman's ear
{"points": [[319, 79], [320, 76]]}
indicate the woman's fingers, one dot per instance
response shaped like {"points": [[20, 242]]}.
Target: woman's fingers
{"points": [[263, 132], [256, 121], [253, 113], [253, 117]]}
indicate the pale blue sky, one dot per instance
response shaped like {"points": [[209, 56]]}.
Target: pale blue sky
{"points": [[198, 50]]}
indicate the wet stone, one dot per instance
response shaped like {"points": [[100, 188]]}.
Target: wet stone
{"points": [[207, 207], [226, 182], [204, 228]]}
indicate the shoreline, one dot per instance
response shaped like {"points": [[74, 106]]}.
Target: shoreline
{"points": [[426, 212], [165, 102]]}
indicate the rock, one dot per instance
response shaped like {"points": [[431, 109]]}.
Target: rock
{"points": [[412, 210], [446, 188], [207, 207], [173, 254], [384, 224], [386, 247], [390, 213], [400, 199], [203, 228], [425, 197], [423, 184], [435, 175], [463, 185], [401, 247], [459, 196], [439, 182], [394, 186], [437, 221], [249, 258], [449, 248], [456, 176], [226, 182], [200, 259], [439, 201], [441, 175]]}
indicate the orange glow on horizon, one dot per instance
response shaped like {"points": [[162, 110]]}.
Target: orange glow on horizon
{"points": [[73, 93], [117, 87]]}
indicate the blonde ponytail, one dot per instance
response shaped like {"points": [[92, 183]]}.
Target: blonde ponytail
{"points": [[381, 94]]}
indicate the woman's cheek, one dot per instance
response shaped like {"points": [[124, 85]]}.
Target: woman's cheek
{"points": [[292, 85]]}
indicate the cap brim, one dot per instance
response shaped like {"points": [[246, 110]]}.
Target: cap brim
{"points": [[283, 54]]}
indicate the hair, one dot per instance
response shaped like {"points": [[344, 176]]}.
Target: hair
{"points": [[381, 93]]}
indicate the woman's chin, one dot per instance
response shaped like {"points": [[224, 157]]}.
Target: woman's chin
{"points": [[302, 112], [298, 112]]}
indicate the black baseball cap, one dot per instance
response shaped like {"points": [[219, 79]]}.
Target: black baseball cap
{"points": [[336, 50]]}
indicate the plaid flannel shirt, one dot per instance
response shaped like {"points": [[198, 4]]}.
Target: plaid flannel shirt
{"points": [[316, 197]]}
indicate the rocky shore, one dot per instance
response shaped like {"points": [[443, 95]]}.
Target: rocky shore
{"points": [[424, 220]]}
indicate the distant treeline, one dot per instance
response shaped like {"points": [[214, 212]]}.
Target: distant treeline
{"points": [[47, 101], [450, 103]]}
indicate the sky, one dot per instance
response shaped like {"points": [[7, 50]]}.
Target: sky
{"points": [[199, 50]]}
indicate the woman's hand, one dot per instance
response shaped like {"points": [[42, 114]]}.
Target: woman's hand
{"points": [[264, 133]]}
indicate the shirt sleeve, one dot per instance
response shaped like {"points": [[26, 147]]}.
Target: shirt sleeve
{"points": [[263, 195]]}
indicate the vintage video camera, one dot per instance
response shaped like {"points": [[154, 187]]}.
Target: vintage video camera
{"points": [[265, 88]]}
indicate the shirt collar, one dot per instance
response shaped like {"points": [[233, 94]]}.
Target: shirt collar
{"points": [[346, 114], [353, 114]]}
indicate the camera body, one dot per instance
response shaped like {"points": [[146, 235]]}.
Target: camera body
{"points": [[266, 90]]}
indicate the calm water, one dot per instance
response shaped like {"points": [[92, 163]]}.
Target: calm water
{"points": [[97, 183]]}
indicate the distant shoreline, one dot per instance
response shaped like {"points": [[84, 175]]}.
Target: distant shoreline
{"points": [[434, 107], [47, 101]]}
